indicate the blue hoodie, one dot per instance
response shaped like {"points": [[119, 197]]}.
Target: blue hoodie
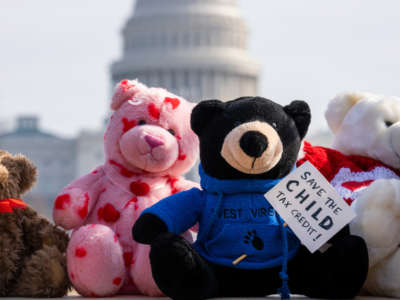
{"points": [[234, 219]]}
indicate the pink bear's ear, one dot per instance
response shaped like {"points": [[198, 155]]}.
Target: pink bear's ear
{"points": [[125, 90]]}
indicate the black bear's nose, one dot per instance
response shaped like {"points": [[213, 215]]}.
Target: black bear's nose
{"points": [[253, 143]]}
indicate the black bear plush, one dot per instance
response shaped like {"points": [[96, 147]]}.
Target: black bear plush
{"points": [[246, 146]]}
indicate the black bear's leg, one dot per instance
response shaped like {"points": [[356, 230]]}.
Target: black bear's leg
{"points": [[179, 271], [338, 273], [235, 282]]}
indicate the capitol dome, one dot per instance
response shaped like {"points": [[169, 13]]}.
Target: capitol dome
{"points": [[195, 48]]}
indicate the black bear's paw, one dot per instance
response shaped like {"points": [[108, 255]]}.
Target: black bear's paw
{"points": [[171, 251], [349, 262], [179, 271]]}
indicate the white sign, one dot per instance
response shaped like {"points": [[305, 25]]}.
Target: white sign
{"points": [[310, 206]]}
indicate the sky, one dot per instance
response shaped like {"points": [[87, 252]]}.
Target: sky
{"points": [[55, 55]]}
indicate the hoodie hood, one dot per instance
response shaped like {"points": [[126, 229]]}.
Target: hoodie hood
{"points": [[235, 186]]}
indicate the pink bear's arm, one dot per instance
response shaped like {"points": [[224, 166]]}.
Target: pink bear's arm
{"points": [[76, 200]]}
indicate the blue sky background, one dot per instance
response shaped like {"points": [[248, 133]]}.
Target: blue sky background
{"points": [[55, 55]]}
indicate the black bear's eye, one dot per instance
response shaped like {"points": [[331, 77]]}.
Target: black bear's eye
{"points": [[388, 123], [171, 131], [274, 125], [142, 122]]}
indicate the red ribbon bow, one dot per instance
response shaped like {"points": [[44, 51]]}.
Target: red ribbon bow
{"points": [[7, 205]]}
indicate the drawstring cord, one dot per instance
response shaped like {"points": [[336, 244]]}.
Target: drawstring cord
{"points": [[284, 289]]}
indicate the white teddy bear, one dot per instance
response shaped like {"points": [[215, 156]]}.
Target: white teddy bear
{"points": [[364, 167]]}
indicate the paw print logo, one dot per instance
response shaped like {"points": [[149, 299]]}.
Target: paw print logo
{"points": [[253, 239]]}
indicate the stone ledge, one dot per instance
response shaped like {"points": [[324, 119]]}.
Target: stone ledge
{"points": [[75, 297]]}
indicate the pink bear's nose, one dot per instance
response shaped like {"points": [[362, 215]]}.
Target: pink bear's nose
{"points": [[153, 141]]}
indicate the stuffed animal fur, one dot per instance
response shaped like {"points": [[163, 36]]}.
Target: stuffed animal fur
{"points": [[32, 250], [148, 146]]}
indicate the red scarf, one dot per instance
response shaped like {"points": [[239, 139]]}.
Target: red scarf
{"points": [[349, 174], [9, 204]]}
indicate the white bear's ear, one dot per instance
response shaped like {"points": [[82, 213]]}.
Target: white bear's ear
{"points": [[339, 106], [124, 91]]}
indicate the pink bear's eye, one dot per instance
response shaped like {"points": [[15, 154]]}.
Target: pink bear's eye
{"points": [[135, 101], [142, 122], [171, 131]]}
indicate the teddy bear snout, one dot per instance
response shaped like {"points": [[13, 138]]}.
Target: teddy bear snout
{"points": [[149, 147], [153, 141], [253, 143], [252, 148]]}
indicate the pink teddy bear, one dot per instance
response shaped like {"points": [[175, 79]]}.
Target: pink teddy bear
{"points": [[148, 145]]}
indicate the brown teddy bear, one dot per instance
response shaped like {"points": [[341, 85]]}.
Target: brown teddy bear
{"points": [[32, 250]]}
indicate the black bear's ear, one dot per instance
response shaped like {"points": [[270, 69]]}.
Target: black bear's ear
{"points": [[301, 114], [203, 113]]}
